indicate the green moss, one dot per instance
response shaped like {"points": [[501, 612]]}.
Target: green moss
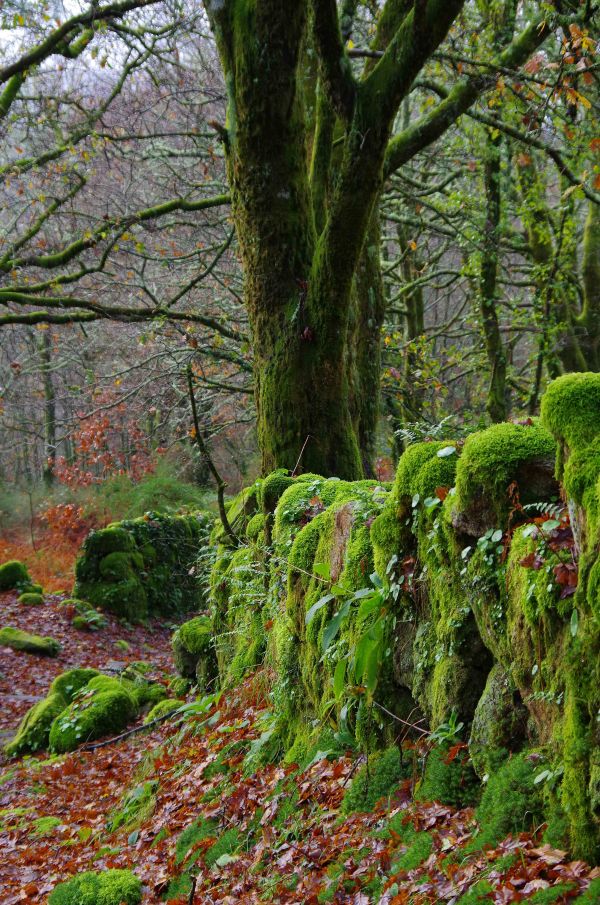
{"points": [[491, 460], [31, 644], [378, 778], [449, 777], [168, 705], [499, 724], [256, 527], [110, 887], [558, 893], [69, 683], [571, 409], [136, 806], [418, 851], [34, 729], [104, 706], [591, 896], [194, 651], [30, 599], [178, 686], [196, 832], [273, 487], [480, 892], [226, 844], [14, 576], [511, 801]]}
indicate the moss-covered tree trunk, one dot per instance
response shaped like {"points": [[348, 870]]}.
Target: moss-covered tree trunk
{"points": [[301, 253]]}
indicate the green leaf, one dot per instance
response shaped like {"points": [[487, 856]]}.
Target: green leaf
{"points": [[496, 536], [446, 451], [333, 626], [574, 622], [316, 607], [339, 678], [550, 524], [323, 570]]}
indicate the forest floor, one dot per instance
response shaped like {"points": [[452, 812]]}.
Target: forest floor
{"points": [[175, 804]]}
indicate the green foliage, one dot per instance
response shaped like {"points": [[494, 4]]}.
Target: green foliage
{"points": [[31, 644], [377, 778], [136, 807], [14, 576], [110, 887], [418, 851]]}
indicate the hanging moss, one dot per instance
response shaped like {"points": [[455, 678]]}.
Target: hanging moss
{"points": [[110, 887]]}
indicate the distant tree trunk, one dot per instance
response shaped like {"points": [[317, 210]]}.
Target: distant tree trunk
{"points": [[496, 403], [589, 319], [45, 350]]}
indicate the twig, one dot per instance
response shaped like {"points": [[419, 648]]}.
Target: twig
{"points": [[193, 891], [221, 485], [134, 731], [308, 437]]}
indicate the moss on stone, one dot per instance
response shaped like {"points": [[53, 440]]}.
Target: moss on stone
{"points": [[14, 576], [499, 726], [377, 778], [30, 599], [167, 705], [69, 683], [104, 706], [570, 409], [194, 651], [33, 731], [31, 644], [109, 887], [490, 461]]}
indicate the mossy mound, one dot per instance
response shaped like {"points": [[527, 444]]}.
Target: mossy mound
{"points": [[512, 801], [110, 887], [376, 779], [31, 644], [143, 566], [449, 777], [162, 708], [104, 706], [14, 576], [497, 467], [30, 598], [194, 651]]}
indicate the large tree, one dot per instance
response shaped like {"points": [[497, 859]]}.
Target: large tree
{"points": [[307, 163]]}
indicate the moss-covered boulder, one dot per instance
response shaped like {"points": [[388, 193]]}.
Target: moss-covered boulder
{"points": [[144, 566], [499, 468], [163, 708], [14, 576], [104, 706], [34, 729], [110, 887], [31, 644], [30, 598], [194, 651]]}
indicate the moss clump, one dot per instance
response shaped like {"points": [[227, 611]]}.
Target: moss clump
{"points": [[571, 408], [196, 832], [511, 802], [480, 892], [194, 651], [226, 844], [69, 683], [418, 851], [490, 461], [34, 729], [110, 887], [273, 487], [377, 778], [449, 777], [167, 705], [178, 686], [104, 706], [14, 576], [31, 644], [29, 598]]}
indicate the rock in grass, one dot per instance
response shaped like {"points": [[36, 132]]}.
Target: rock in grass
{"points": [[31, 644], [31, 598], [111, 887]]}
